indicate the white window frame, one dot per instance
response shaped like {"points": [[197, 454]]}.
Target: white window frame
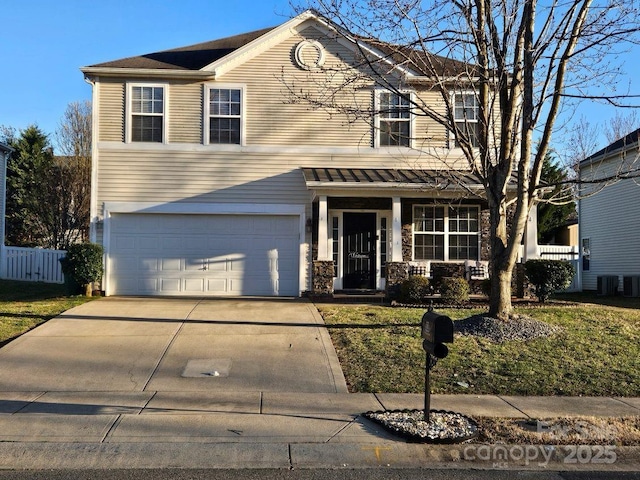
{"points": [[446, 233], [379, 117], [131, 113], [207, 112], [452, 137]]}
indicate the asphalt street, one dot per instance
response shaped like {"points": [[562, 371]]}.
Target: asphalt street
{"points": [[316, 474]]}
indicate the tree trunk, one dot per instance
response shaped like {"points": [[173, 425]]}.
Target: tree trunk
{"points": [[504, 254]]}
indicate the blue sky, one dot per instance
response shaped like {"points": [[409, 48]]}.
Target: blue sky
{"points": [[43, 44]]}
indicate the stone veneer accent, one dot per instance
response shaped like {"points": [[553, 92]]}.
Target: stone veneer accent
{"points": [[322, 277], [397, 272]]}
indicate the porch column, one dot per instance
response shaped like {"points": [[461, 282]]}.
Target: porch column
{"points": [[396, 231], [531, 250], [323, 238]]}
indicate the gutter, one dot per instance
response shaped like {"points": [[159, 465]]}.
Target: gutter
{"points": [[148, 73]]}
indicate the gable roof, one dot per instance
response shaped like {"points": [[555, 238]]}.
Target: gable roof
{"points": [[628, 141], [209, 59], [191, 57]]}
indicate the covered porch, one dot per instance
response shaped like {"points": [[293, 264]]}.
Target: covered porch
{"points": [[371, 228]]}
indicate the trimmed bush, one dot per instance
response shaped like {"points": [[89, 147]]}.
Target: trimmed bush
{"points": [[454, 290], [548, 276], [83, 264], [414, 289]]}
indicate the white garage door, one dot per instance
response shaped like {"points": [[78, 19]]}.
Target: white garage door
{"points": [[162, 254]]}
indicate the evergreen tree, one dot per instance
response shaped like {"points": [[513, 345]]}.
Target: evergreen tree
{"points": [[555, 210], [27, 177]]}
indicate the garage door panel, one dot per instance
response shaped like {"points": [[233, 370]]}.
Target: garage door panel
{"points": [[156, 254], [194, 285], [147, 286], [146, 264], [126, 263], [218, 264], [170, 264], [170, 285], [217, 285]]}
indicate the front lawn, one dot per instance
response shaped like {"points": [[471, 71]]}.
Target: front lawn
{"points": [[596, 353], [25, 305]]}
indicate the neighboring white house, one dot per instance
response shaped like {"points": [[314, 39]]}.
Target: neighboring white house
{"points": [[209, 180], [609, 219]]}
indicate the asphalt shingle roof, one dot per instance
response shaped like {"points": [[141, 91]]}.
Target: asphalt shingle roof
{"points": [[192, 57]]}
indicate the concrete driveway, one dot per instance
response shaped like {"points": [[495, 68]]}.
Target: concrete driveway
{"points": [[176, 345]]}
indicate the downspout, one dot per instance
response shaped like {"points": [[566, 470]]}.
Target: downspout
{"points": [[93, 206]]}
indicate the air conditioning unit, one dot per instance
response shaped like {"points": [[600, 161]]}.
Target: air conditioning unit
{"points": [[608, 285], [631, 286]]}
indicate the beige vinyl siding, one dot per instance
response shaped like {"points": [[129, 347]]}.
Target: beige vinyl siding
{"points": [[111, 110], [428, 132], [185, 113], [199, 178], [611, 220], [272, 118]]}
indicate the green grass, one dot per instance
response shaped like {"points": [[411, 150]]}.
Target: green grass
{"points": [[25, 305], [597, 352]]}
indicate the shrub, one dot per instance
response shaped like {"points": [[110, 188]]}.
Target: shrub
{"points": [[83, 263], [414, 289], [454, 290], [548, 276]]}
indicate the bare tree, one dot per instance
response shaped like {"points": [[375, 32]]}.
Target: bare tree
{"points": [[620, 125], [523, 62], [73, 139]]}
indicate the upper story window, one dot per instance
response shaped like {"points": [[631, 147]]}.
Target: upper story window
{"points": [[446, 232], [147, 112], [466, 111], [394, 120], [224, 115]]}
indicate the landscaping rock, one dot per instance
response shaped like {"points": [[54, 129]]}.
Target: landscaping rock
{"points": [[518, 327]]}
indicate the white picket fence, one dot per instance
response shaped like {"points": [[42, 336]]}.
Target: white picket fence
{"points": [[568, 253], [31, 264]]}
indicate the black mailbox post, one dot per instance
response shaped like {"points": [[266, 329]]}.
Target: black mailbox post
{"points": [[436, 331]]}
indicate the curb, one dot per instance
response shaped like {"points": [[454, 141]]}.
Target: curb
{"points": [[57, 456]]}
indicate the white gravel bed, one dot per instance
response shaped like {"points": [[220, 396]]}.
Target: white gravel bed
{"points": [[443, 427]]}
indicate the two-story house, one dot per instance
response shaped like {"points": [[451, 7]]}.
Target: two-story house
{"points": [[209, 178]]}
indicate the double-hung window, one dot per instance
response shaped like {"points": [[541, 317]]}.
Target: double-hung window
{"points": [[147, 108], [446, 232], [394, 120], [225, 111], [466, 111]]}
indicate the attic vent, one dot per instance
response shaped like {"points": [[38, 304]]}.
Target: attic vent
{"points": [[309, 54]]}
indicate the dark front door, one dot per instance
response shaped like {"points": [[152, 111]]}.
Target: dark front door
{"points": [[359, 250]]}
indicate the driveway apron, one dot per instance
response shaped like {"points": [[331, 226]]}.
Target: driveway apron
{"points": [[176, 345]]}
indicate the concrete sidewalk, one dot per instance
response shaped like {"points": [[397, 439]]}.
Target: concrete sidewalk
{"points": [[250, 383], [261, 430]]}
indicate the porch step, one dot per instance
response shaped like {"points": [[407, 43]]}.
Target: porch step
{"points": [[352, 296]]}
